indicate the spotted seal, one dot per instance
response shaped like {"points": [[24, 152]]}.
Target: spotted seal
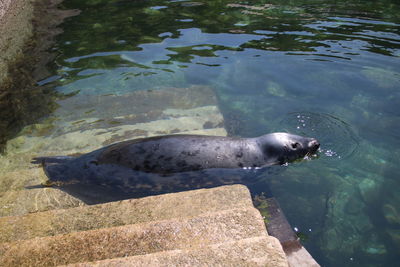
{"points": [[124, 162]]}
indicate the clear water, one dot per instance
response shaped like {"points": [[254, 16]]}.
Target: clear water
{"points": [[327, 69]]}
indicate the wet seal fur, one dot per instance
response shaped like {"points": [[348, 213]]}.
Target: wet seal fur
{"points": [[155, 162]]}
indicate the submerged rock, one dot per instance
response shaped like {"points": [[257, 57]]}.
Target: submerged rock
{"points": [[369, 190], [384, 78], [354, 206], [373, 245], [394, 235], [275, 89], [391, 214]]}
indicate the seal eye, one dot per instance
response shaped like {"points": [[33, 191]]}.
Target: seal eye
{"points": [[95, 162], [295, 145]]}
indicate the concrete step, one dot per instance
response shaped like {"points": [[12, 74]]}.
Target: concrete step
{"points": [[256, 251], [20, 202], [137, 239], [132, 211]]}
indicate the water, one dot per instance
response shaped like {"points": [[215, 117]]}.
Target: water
{"points": [[327, 69]]}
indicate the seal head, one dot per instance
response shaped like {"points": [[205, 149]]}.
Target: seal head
{"points": [[285, 147]]}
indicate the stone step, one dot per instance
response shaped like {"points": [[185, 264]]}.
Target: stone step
{"points": [[136, 239], [20, 202], [131, 211], [257, 251]]}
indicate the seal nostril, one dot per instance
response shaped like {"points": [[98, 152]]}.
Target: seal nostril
{"points": [[314, 144]]}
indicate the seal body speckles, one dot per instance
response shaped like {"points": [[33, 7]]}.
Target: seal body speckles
{"points": [[181, 153]]}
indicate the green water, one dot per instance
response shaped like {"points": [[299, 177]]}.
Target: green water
{"points": [[328, 69]]}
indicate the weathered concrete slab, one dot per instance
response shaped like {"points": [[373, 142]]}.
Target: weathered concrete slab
{"points": [[137, 239], [132, 211], [257, 251]]}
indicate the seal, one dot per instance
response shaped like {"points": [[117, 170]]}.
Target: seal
{"points": [[172, 163], [181, 153]]}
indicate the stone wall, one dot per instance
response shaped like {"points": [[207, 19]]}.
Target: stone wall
{"points": [[15, 28]]}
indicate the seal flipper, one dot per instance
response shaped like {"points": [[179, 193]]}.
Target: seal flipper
{"points": [[47, 160], [55, 168]]}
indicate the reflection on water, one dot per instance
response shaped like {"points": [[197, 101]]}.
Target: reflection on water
{"points": [[265, 61]]}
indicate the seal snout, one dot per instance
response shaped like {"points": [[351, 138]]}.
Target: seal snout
{"points": [[313, 145]]}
